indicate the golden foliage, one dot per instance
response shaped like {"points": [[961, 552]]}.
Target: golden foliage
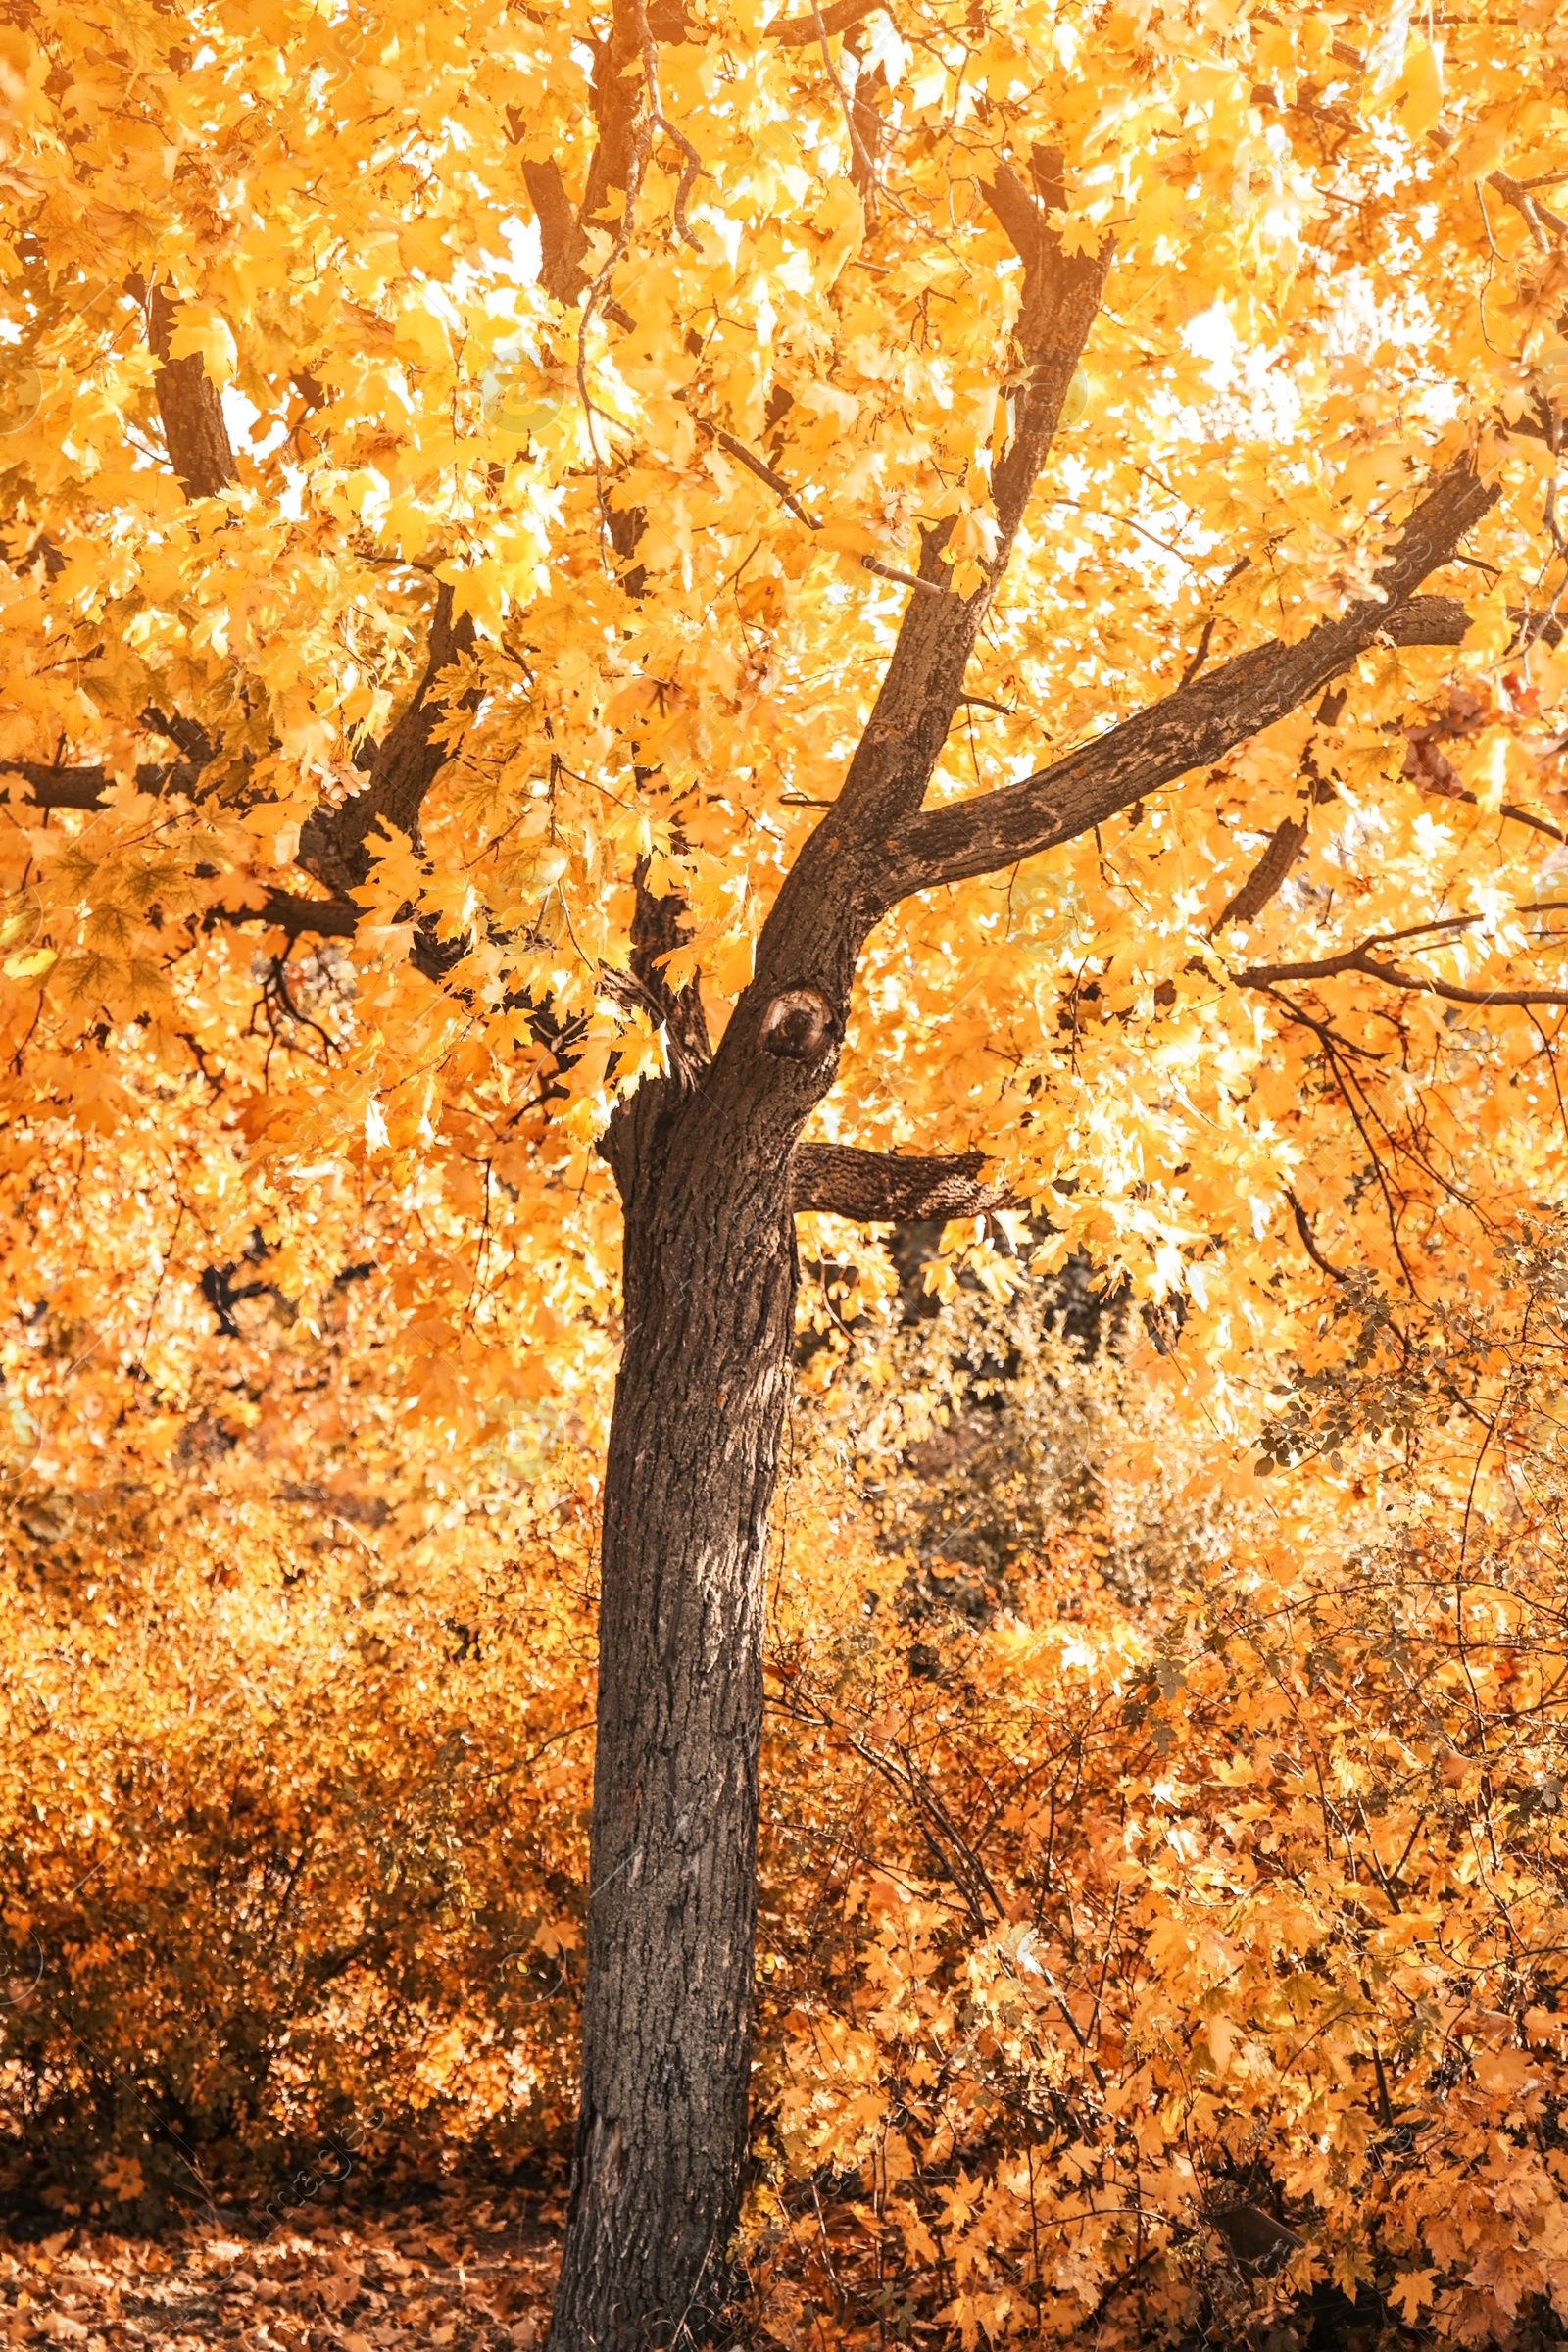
{"points": [[1097, 1933], [1207, 1858], [293, 1816], [1186, 1863]]}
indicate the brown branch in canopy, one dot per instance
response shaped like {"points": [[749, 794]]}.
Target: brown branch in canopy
{"points": [[1542, 222], [618, 93], [286, 911], [54, 787], [1508, 809], [333, 841], [798, 32], [1360, 959], [562, 240], [755, 465], [1283, 848], [1303, 1226], [1428, 767], [924, 681], [618, 99], [1197, 724], [190, 406], [890, 1188], [657, 929]]}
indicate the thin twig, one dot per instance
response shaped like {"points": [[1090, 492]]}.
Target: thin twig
{"points": [[758, 465], [906, 579]]}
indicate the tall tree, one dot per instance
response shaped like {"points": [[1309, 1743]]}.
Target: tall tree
{"points": [[555, 479]]}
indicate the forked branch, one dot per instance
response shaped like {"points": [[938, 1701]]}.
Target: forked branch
{"points": [[925, 681], [1361, 958], [333, 841], [1196, 725]]}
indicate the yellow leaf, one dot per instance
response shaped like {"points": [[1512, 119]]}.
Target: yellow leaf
{"points": [[30, 967], [205, 332], [850, 538]]}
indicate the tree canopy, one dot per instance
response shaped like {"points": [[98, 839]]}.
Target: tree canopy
{"points": [[339, 722]]}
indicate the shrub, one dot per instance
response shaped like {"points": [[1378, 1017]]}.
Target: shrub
{"points": [[294, 1833]]}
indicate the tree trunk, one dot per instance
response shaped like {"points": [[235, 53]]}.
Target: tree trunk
{"points": [[710, 1286]]}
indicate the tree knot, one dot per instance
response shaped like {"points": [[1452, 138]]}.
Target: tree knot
{"points": [[797, 1025]]}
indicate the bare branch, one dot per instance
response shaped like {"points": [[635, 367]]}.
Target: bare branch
{"points": [[1303, 1226], [888, 1188], [905, 579], [862, 166], [1197, 724], [1360, 959], [756, 465]]}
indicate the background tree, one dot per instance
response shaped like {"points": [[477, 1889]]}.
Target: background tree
{"points": [[554, 480]]}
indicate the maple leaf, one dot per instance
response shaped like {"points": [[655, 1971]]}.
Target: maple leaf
{"points": [[1412, 2290]]}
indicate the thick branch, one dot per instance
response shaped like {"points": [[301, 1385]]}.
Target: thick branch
{"points": [[634, 1140], [53, 787], [562, 241], [657, 929], [886, 1188], [190, 406], [795, 33], [286, 911], [332, 841], [616, 163], [1254, 894], [924, 681], [619, 97], [1196, 725]]}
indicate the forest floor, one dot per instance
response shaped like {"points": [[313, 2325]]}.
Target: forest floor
{"points": [[457, 2274]]}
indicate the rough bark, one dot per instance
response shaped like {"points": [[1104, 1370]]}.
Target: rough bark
{"points": [[1285, 846], [190, 406], [704, 1162], [709, 1288], [888, 1187], [1193, 727], [710, 1166], [618, 97], [562, 240]]}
